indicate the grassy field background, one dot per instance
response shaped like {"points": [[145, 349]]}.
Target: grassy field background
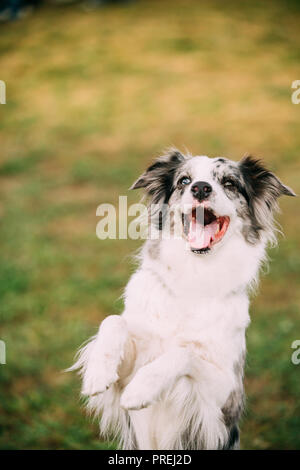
{"points": [[91, 98]]}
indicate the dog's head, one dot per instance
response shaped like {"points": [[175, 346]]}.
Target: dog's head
{"points": [[215, 197]]}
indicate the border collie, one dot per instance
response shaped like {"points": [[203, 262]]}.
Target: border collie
{"points": [[168, 372]]}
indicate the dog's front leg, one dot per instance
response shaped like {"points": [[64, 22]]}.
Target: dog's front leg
{"points": [[100, 360], [153, 379]]}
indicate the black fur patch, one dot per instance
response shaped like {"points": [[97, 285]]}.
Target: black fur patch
{"points": [[158, 183], [234, 406], [261, 189], [158, 179], [224, 171], [233, 439], [261, 183]]}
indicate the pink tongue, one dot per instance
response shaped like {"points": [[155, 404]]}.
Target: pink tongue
{"points": [[199, 236]]}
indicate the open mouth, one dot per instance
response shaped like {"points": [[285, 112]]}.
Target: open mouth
{"points": [[203, 228]]}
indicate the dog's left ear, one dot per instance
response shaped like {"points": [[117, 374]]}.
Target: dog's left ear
{"points": [[157, 180], [262, 189], [261, 184]]}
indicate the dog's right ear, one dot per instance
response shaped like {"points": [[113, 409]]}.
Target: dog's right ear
{"points": [[158, 179]]}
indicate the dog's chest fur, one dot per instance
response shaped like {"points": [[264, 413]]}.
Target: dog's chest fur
{"points": [[178, 298]]}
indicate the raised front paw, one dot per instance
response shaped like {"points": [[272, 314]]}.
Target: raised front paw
{"points": [[102, 357], [141, 392], [97, 379]]}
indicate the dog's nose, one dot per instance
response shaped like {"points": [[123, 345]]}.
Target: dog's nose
{"points": [[201, 190]]}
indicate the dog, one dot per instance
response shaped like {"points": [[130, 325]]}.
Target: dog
{"points": [[168, 372]]}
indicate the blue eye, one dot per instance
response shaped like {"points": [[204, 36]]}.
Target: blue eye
{"points": [[184, 181]]}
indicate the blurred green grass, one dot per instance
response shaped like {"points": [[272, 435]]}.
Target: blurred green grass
{"points": [[91, 97]]}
